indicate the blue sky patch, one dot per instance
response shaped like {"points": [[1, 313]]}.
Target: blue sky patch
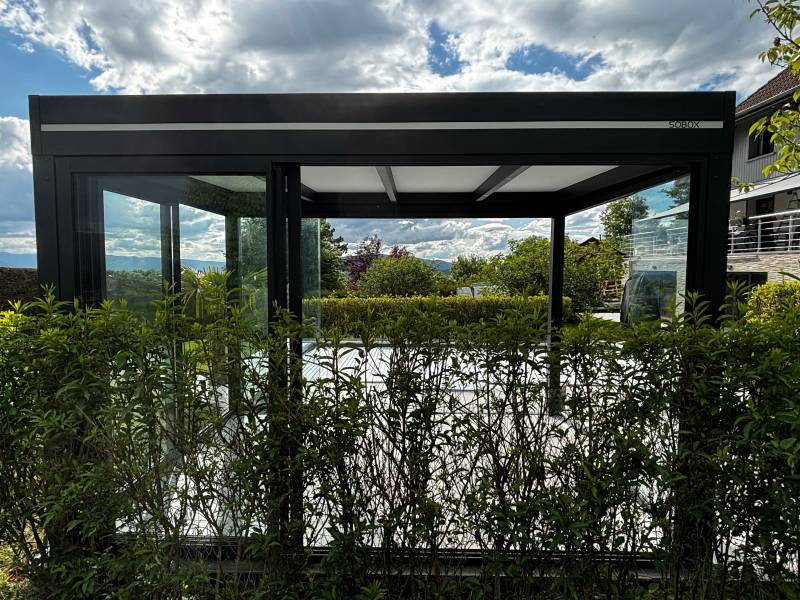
{"points": [[36, 70], [443, 57], [717, 81], [535, 59]]}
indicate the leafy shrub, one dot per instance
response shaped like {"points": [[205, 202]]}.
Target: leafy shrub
{"points": [[403, 276], [121, 437], [345, 313], [771, 300]]}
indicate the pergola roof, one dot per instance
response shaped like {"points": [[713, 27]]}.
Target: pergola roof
{"points": [[443, 155], [403, 155]]}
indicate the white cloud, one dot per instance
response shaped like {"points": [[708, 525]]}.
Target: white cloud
{"points": [[15, 154], [138, 46], [442, 238], [176, 46], [16, 195]]}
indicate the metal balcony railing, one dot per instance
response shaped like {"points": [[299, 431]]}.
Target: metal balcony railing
{"points": [[661, 241], [776, 232]]}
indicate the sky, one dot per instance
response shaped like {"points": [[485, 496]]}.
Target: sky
{"points": [[215, 46]]}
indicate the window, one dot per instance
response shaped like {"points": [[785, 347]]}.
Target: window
{"points": [[760, 145]]}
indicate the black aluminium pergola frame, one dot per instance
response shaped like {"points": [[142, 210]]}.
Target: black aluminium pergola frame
{"points": [[651, 137]]}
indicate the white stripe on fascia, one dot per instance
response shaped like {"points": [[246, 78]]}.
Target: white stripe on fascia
{"points": [[416, 125]]}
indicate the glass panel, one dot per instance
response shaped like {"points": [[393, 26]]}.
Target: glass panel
{"points": [[132, 233], [135, 232], [310, 233], [657, 267]]}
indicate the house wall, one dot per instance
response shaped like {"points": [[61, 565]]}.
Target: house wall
{"points": [[745, 169], [771, 263]]}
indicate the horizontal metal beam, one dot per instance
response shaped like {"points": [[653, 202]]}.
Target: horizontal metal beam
{"points": [[501, 176], [433, 205], [353, 109], [385, 173]]}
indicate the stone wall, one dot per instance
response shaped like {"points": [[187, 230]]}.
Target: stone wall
{"points": [[769, 262], [17, 284]]}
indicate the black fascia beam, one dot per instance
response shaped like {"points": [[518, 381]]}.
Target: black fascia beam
{"points": [[616, 183], [383, 107], [501, 176], [387, 178], [306, 193], [433, 205]]}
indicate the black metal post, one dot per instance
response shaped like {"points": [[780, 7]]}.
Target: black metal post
{"points": [[291, 174], [709, 206], [555, 308], [166, 245], [295, 390], [176, 249], [693, 533], [276, 242], [555, 298]]}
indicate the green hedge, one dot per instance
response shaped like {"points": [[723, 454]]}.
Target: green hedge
{"points": [[772, 300], [675, 442], [343, 313]]}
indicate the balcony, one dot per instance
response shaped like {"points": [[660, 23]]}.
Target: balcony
{"points": [[775, 232]]}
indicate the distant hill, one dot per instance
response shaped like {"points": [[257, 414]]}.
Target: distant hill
{"points": [[438, 264], [153, 263], [113, 262]]}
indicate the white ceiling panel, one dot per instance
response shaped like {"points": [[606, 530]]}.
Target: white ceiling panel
{"points": [[549, 178], [341, 179], [440, 179]]}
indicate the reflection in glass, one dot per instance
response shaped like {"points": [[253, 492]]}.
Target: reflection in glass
{"points": [[132, 231], [658, 244], [137, 232]]}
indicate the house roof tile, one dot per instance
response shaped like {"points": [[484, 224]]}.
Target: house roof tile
{"points": [[778, 85]]}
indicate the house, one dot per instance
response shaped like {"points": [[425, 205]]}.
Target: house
{"points": [[764, 230], [764, 217]]}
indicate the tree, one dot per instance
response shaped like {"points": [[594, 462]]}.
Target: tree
{"points": [[468, 268], [783, 125], [525, 269], [679, 192], [399, 252], [404, 276], [331, 251], [357, 264], [618, 218]]}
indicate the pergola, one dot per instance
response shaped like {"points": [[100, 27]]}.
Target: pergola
{"points": [[285, 157]]}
